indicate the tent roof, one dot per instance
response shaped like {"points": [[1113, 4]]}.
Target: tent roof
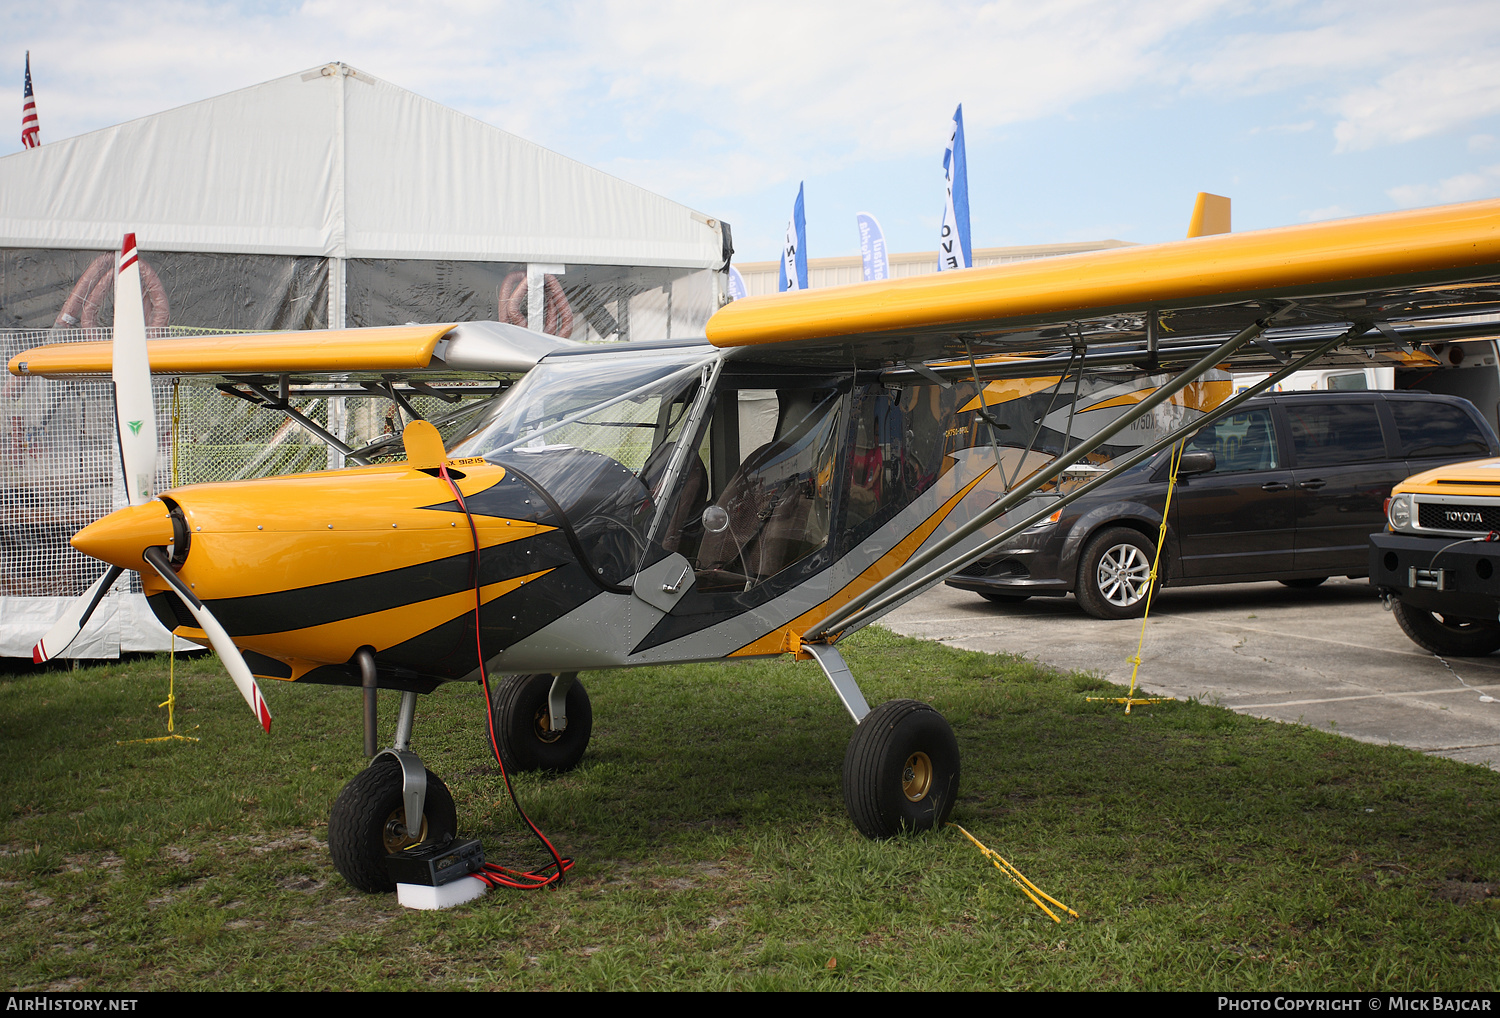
{"points": [[336, 162]]}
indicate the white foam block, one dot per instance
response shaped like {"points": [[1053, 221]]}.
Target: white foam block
{"points": [[456, 893]]}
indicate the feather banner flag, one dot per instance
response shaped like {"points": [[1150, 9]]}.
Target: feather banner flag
{"points": [[872, 247], [737, 290], [954, 251], [793, 252]]}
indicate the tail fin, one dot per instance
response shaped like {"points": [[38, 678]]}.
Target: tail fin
{"points": [[1210, 215]]}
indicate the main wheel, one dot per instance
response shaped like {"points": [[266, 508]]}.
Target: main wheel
{"points": [[523, 725], [1003, 598], [368, 823], [1114, 574], [1450, 635], [1305, 582], [901, 770]]}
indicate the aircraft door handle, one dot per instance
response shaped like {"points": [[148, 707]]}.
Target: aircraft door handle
{"points": [[1312, 485], [1273, 486], [672, 588]]}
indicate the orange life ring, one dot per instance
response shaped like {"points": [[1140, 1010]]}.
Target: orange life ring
{"points": [[81, 309], [557, 316]]}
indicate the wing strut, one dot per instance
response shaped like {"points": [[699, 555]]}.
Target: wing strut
{"points": [[884, 595]]}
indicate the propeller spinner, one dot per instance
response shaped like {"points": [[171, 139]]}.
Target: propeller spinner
{"points": [[136, 537]]}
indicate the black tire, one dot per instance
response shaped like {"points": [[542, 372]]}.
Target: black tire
{"points": [[368, 822], [522, 719], [1114, 574], [1447, 635], [1305, 582], [1002, 598], [900, 748]]}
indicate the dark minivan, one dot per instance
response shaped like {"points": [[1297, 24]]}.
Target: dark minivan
{"points": [[1290, 489]]}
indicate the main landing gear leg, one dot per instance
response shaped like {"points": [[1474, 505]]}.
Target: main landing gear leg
{"points": [[391, 805], [901, 770]]}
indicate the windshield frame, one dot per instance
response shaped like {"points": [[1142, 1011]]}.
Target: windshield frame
{"points": [[694, 366]]}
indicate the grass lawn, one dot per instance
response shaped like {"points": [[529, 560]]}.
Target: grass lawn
{"points": [[1202, 850]]}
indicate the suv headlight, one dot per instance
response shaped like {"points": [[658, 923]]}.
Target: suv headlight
{"points": [[1398, 513]]}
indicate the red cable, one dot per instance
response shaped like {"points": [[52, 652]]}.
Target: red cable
{"points": [[501, 876]]}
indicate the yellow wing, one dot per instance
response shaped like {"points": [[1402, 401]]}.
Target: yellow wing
{"points": [[472, 346], [1393, 268]]}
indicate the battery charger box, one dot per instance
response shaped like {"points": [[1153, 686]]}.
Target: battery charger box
{"points": [[436, 865]]}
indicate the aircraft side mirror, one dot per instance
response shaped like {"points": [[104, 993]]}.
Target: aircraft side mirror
{"points": [[715, 519], [1199, 461]]}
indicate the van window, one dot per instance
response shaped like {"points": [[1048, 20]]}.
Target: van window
{"points": [[1436, 429], [1239, 443], [1329, 434]]}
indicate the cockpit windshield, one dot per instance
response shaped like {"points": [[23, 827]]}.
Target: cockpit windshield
{"points": [[624, 407]]}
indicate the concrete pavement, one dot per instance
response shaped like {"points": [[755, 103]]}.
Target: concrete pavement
{"points": [[1330, 657]]}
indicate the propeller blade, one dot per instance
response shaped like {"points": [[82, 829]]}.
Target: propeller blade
{"points": [[62, 634], [234, 663], [135, 411]]}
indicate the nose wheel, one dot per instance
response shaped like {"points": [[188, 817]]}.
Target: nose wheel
{"points": [[368, 823]]}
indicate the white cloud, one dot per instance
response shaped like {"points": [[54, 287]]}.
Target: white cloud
{"points": [[1390, 72], [1419, 100], [1484, 183], [716, 99]]}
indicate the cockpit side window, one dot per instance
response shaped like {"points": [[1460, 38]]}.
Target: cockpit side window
{"points": [[769, 460]]}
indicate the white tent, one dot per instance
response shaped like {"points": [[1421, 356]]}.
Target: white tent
{"points": [[351, 174], [326, 197]]}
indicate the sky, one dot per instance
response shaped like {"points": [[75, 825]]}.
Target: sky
{"points": [[1085, 119]]}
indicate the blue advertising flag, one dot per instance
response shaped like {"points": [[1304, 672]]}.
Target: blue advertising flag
{"points": [[794, 251], [737, 289], [954, 251], [872, 247]]}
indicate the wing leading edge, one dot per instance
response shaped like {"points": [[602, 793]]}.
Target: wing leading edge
{"points": [[1416, 265], [492, 347]]}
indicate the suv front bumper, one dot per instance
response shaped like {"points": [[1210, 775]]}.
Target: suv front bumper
{"points": [[1450, 576]]}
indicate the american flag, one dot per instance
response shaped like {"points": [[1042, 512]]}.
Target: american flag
{"points": [[31, 132]]}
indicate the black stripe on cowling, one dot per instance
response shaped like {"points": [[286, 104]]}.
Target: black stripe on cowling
{"points": [[266, 667], [448, 651], [323, 603]]}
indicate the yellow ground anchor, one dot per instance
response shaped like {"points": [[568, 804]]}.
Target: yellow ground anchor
{"points": [[1130, 699], [170, 702], [1018, 878]]}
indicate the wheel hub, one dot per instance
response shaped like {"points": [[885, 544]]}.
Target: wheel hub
{"points": [[1124, 573], [543, 725], [916, 776], [394, 835]]}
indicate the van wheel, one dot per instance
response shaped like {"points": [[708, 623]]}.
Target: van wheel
{"points": [[1450, 635], [1114, 574], [1304, 582]]}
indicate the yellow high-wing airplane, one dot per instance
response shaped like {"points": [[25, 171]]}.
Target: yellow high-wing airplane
{"points": [[815, 460]]}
